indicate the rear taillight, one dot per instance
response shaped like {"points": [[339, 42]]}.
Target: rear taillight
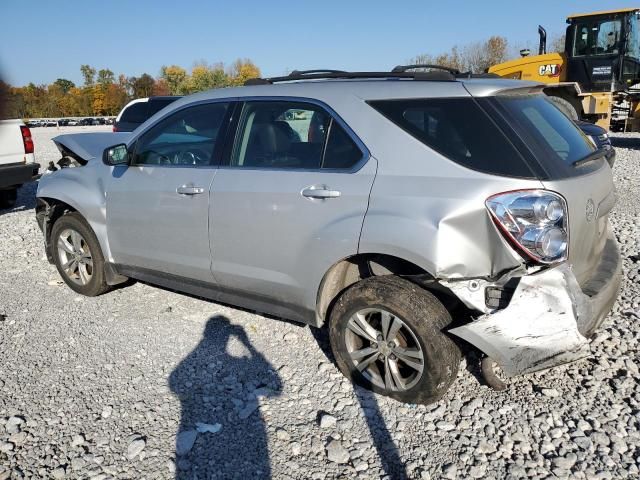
{"points": [[115, 129], [535, 221], [26, 139]]}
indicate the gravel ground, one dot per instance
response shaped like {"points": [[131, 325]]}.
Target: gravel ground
{"points": [[146, 383]]}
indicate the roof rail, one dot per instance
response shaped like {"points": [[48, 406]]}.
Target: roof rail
{"points": [[446, 74], [309, 72], [404, 68]]}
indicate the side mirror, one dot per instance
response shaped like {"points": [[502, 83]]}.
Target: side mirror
{"points": [[116, 155]]}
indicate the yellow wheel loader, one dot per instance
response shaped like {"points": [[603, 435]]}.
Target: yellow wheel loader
{"points": [[597, 77]]}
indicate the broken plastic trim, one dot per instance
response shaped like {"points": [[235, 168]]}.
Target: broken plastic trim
{"points": [[539, 328]]}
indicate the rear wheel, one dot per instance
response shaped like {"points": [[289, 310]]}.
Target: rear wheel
{"points": [[565, 107], [387, 335], [77, 255]]}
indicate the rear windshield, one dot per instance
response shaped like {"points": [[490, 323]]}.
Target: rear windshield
{"points": [[545, 128], [141, 111], [460, 130]]}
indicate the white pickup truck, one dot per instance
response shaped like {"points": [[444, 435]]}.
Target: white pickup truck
{"points": [[17, 161]]}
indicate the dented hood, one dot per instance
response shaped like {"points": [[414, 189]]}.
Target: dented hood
{"points": [[84, 147]]}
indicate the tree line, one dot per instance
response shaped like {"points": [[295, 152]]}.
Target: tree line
{"points": [[102, 94], [477, 57]]}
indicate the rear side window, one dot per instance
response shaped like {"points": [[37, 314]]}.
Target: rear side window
{"points": [[292, 135], [545, 128], [341, 151], [458, 129]]}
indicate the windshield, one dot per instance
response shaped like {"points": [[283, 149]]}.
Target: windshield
{"points": [[633, 40], [597, 37]]}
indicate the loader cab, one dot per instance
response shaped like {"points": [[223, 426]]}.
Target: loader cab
{"points": [[603, 50]]}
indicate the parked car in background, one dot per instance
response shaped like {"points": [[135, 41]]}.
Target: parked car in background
{"points": [[137, 111], [72, 122], [85, 122], [600, 138], [408, 209], [17, 160]]}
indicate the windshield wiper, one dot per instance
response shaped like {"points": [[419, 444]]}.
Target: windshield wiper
{"points": [[592, 157]]}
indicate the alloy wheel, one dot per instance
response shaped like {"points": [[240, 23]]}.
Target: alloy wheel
{"points": [[384, 349], [75, 257]]}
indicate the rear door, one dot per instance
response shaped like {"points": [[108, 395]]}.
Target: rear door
{"points": [[157, 208], [289, 203]]}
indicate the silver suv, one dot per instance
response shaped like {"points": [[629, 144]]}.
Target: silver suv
{"points": [[411, 213]]}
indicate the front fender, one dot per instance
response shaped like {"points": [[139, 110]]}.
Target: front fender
{"points": [[83, 190]]}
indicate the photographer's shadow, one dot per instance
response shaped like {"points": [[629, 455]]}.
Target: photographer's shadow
{"points": [[222, 433]]}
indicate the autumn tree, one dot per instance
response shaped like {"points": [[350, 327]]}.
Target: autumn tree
{"points": [[204, 77], [142, 86], [161, 87], [64, 84], [97, 103], [451, 59], [174, 76], [475, 57], [88, 73], [82, 101], [103, 93], [241, 71], [105, 77], [115, 97]]}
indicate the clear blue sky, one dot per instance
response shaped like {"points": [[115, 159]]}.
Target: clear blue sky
{"points": [[41, 40]]}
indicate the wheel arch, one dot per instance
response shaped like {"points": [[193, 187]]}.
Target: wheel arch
{"points": [[49, 210], [354, 268]]}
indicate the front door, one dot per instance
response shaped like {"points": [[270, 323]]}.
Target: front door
{"points": [[157, 208], [289, 203]]}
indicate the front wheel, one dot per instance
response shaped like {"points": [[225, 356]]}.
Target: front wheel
{"points": [[77, 255], [387, 334]]}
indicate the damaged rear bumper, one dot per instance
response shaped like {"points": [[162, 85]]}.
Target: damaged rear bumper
{"points": [[549, 318]]}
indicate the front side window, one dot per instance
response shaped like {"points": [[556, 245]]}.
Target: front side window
{"points": [[189, 137], [597, 38], [292, 135]]}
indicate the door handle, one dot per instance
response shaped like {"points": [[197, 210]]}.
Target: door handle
{"points": [[189, 190], [320, 192]]}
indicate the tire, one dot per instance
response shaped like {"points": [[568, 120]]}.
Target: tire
{"points": [[423, 320], [565, 107], [78, 242], [8, 198]]}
